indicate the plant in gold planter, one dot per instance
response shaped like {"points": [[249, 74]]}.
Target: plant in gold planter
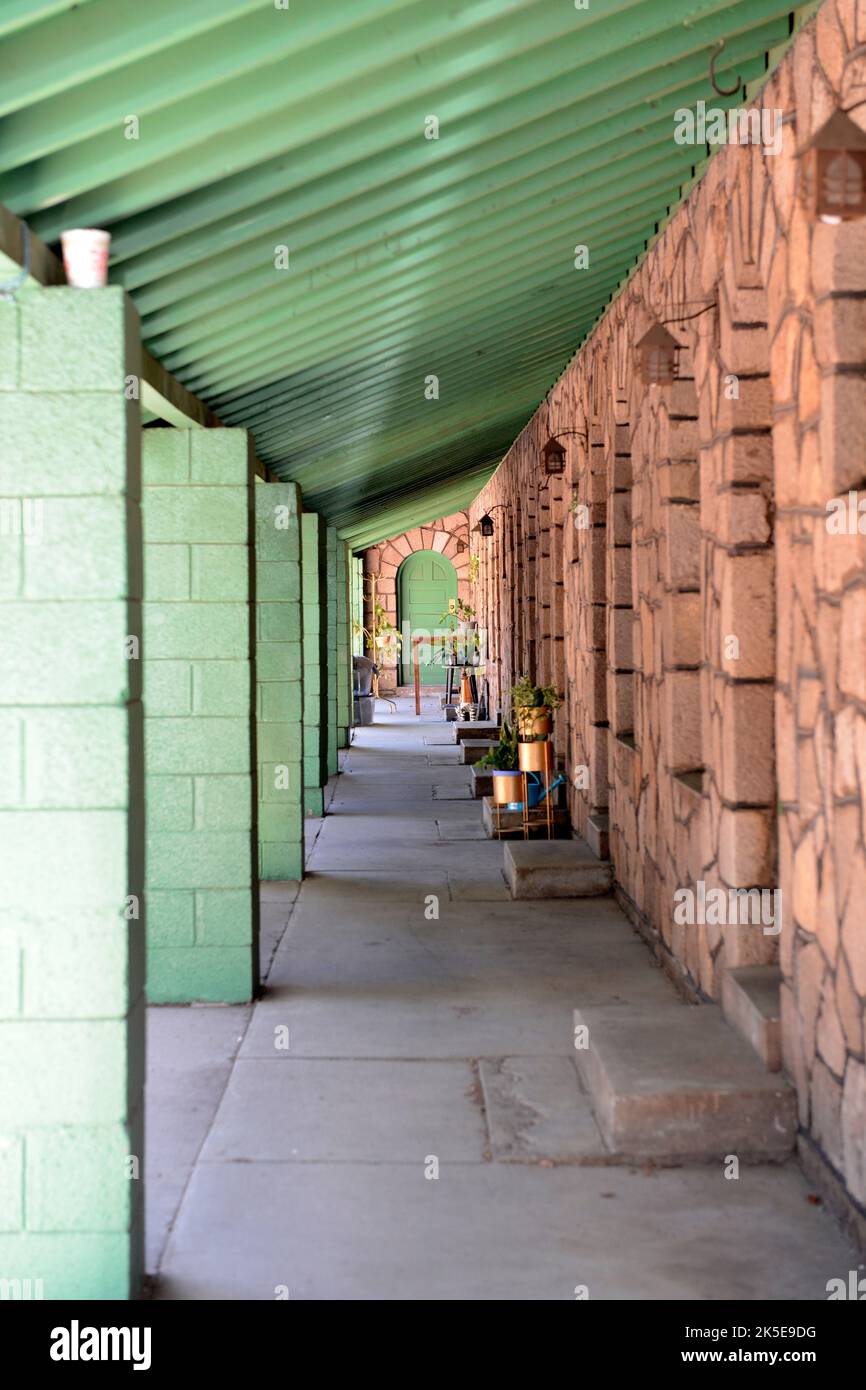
{"points": [[533, 707], [502, 758], [503, 762]]}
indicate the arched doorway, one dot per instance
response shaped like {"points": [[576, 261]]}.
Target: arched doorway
{"points": [[425, 585]]}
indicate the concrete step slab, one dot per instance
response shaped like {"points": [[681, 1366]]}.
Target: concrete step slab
{"points": [[675, 1081], [482, 782], [474, 749], [555, 869], [478, 728], [598, 835], [511, 822], [751, 1001]]}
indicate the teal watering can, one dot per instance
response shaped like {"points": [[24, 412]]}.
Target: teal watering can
{"points": [[536, 792]]}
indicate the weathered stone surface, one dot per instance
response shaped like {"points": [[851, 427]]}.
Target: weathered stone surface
{"points": [[479, 728], [750, 999], [677, 1081], [555, 869], [481, 781], [537, 1109]]}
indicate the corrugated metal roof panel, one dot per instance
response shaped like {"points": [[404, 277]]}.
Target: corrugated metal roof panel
{"points": [[258, 128]]}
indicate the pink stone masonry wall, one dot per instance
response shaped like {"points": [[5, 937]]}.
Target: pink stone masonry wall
{"points": [[707, 626]]}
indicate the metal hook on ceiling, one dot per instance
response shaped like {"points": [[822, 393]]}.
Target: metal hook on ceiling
{"points": [[721, 91]]}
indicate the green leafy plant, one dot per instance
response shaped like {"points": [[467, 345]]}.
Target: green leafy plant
{"points": [[525, 695], [382, 633], [458, 647], [458, 609], [504, 757], [474, 568]]}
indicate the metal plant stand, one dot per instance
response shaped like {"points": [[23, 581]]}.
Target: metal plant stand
{"points": [[543, 814]]}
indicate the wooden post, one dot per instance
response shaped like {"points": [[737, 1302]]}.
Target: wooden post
{"points": [[417, 673]]}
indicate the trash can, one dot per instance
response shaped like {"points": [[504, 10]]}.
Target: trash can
{"points": [[364, 709], [363, 671]]}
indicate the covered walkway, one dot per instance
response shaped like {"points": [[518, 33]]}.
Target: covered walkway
{"points": [[390, 1040], [525, 336]]}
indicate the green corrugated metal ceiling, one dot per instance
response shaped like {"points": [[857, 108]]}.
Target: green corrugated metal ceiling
{"points": [[261, 126]]}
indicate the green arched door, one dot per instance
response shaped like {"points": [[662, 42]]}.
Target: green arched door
{"points": [[425, 585]]}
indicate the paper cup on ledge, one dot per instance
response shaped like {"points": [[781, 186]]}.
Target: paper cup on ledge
{"points": [[85, 257]]}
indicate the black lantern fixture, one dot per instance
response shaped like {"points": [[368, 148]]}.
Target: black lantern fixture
{"points": [[553, 453], [833, 167], [657, 356], [553, 458], [485, 523]]}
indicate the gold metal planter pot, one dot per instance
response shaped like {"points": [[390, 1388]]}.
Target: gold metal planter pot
{"points": [[535, 757], [534, 722], [506, 787]]}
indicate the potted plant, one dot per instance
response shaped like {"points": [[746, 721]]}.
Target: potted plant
{"points": [[462, 646], [533, 707], [503, 761]]}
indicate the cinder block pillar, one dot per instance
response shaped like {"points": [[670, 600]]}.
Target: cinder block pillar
{"points": [[332, 680], [357, 614], [344, 645], [202, 855], [279, 683], [71, 798], [315, 662]]}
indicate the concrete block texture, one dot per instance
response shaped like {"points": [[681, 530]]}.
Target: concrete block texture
{"points": [[315, 661], [199, 630], [71, 797], [279, 680], [332, 606]]}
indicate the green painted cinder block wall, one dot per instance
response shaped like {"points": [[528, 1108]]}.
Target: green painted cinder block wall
{"points": [[332, 741], [357, 580], [315, 659], [344, 644], [71, 798], [279, 680], [202, 854]]}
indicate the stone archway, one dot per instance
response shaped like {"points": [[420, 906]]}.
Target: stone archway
{"points": [[449, 537], [426, 586]]}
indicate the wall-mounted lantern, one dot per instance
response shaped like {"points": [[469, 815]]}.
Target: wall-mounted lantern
{"points": [[833, 166], [657, 356], [553, 458], [485, 523], [553, 454]]}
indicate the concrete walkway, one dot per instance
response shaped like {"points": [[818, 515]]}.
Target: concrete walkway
{"points": [[416, 1020]]}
